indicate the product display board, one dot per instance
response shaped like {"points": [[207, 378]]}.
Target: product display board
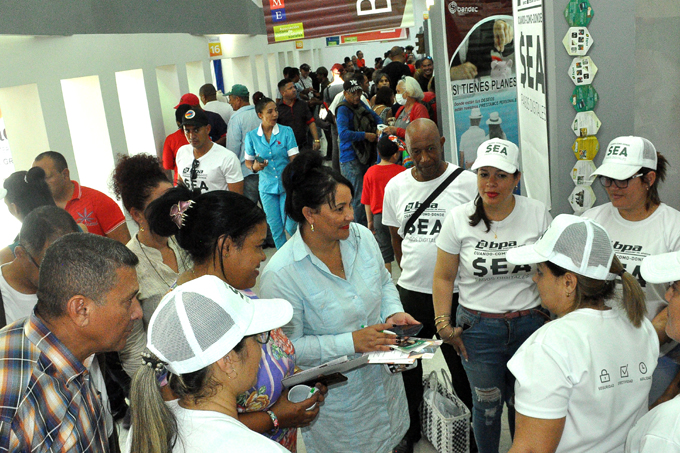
{"points": [[581, 199], [585, 123], [586, 148], [584, 97], [577, 41], [582, 70], [578, 13]]}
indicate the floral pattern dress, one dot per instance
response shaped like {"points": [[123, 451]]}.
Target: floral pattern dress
{"points": [[278, 362]]}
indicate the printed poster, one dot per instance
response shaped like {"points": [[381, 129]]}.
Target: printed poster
{"points": [[532, 115]]}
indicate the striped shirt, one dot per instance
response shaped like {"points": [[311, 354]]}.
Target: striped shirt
{"points": [[47, 400]]}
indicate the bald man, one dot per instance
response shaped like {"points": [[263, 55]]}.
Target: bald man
{"points": [[416, 251]]}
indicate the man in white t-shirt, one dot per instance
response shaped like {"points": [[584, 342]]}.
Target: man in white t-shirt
{"points": [[204, 165], [416, 250], [659, 430], [208, 96]]}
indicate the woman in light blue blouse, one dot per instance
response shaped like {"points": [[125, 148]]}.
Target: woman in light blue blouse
{"points": [[332, 272], [269, 148]]}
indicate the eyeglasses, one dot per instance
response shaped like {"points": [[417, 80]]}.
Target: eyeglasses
{"points": [[30, 257], [619, 183], [193, 173], [263, 338]]}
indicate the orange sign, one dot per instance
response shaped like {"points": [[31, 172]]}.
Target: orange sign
{"points": [[299, 44], [215, 47]]}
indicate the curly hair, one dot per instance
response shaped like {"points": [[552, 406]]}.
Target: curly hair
{"points": [[135, 177]]}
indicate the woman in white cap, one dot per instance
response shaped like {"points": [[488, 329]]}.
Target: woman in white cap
{"points": [[581, 380], [205, 340], [640, 225], [498, 304], [659, 430]]}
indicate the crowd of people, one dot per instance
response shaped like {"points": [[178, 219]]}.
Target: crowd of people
{"points": [[569, 324]]}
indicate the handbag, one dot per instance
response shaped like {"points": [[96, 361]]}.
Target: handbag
{"points": [[444, 418]]}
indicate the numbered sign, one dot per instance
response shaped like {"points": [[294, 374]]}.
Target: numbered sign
{"points": [[215, 47], [577, 41], [582, 171], [582, 70]]}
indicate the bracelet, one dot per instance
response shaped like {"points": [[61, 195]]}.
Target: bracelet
{"points": [[317, 141], [444, 327], [275, 420], [441, 321], [441, 316], [453, 332]]}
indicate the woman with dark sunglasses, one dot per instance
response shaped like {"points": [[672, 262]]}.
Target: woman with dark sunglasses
{"points": [[640, 225]]}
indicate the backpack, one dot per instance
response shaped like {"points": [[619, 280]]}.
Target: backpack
{"points": [[363, 122], [429, 106]]}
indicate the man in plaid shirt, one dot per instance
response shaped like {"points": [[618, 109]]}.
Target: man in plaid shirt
{"points": [[87, 303]]}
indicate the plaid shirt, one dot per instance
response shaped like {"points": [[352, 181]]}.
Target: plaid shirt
{"points": [[47, 400]]}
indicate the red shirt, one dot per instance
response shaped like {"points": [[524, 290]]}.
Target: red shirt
{"points": [[99, 213], [361, 62], [172, 143], [375, 180]]}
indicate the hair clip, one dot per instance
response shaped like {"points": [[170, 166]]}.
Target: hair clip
{"points": [[178, 212], [158, 366]]}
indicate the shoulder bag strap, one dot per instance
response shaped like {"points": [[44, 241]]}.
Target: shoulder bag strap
{"points": [[3, 318], [433, 196]]}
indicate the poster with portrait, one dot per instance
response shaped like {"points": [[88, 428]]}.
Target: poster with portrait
{"points": [[481, 47]]}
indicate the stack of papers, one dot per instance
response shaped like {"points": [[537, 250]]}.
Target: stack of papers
{"points": [[407, 351]]}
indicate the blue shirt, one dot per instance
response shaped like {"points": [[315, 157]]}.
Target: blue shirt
{"points": [[369, 412], [277, 152], [346, 133], [242, 121]]}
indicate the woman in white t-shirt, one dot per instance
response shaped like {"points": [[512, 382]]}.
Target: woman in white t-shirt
{"points": [[499, 304], [581, 380], [640, 225], [205, 340]]}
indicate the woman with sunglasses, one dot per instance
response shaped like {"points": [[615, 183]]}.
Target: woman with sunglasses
{"points": [[224, 233], [640, 225], [269, 148]]}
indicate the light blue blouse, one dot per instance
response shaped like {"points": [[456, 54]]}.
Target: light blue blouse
{"points": [[369, 412]]}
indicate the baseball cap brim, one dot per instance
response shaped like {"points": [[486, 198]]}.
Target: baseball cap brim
{"points": [[269, 314], [616, 171], [664, 268], [490, 161], [525, 254], [193, 122]]}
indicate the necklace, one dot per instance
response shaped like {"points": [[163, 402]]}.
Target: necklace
{"points": [[141, 246]]}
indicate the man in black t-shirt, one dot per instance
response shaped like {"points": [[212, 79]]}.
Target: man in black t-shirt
{"points": [[397, 68]]}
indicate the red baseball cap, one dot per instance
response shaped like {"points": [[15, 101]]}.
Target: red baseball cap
{"points": [[190, 99]]}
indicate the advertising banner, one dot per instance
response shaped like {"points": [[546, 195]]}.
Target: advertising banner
{"points": [[533, 122], [481, 48], [288, 20]]}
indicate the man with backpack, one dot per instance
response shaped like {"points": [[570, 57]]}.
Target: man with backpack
{"points": [[357, 124]]}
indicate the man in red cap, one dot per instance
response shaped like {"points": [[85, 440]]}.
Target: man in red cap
{"points": [[218, 128]]}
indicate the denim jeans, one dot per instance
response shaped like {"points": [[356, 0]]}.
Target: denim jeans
{"points": [[354, 171], [274, 208], [666, 370], [490, 343]]}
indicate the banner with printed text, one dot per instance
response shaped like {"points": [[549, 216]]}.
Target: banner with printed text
{"points": [[288, 20], [533, 120], [481, 51]]}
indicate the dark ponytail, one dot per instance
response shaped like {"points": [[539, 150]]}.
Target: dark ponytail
{"points": [[480, 214], [310, 183], [28, 190], [211, 216]]}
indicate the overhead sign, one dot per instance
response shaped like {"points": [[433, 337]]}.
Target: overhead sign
{"points": [[288, 20], [333, 41], [384, 35], [214, 47]]}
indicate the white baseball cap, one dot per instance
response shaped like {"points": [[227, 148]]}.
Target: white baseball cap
{"points": [[625, 156], [664, 268], [497, 153], [199, 322], [574, 243]]}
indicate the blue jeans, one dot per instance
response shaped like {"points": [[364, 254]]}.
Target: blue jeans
{"points": [[354, 171], [274, 208], [665, 372], [490, 343]]}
